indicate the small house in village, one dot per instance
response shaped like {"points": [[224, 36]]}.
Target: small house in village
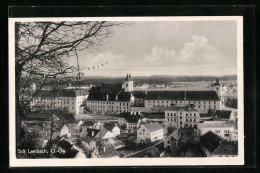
{"points": [[225, 115], [221, 128], [153, 132], [113, 128], [215, 146], [172, 139]]}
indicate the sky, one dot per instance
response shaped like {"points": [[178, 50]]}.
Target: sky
{"points": [[147, 48]]}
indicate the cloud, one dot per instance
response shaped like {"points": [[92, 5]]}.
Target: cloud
{"points": [[197, 51], [160, 55]]}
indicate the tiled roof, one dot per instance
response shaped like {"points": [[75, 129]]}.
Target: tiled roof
{"points": [[205, 115], [61, 93], [87, 123], [100, 93], [215, 124], [174, 135], [91, 130], [223, 114], [186, 108], [182, 95], [211, 141], [202, 95], [109, 126], [139, 94], [109, 152], [101, 133], [226, 149], [164, 95], [153, 127]]}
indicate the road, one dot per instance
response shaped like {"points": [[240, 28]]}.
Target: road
{"points": [[141, 152]]}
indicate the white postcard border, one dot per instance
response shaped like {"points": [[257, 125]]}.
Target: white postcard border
{"points": [[239, 160]]}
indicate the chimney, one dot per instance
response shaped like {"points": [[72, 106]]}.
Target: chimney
{"points": [[131, 113], [134, 112], [107, 97], [116, 97]]}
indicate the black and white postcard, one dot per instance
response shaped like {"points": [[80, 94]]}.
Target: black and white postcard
{"points": [[126, 91]]}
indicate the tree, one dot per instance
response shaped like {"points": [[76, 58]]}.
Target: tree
{"points": [[194, 141], [54, 126], [148, 142], [29, 141], [153, 152], [42, 51], [211, 112], [183, 144]]}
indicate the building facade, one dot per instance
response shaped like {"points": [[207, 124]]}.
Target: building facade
{"points": [[69, 100], [202, 100], [153, 132], [221, 128], [182, 116]]}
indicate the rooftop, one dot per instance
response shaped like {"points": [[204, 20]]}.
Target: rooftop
{"points": [[139, 94], [211, 141], [87, 123], [187, 108], [109, 152], [62, 93], [223, 114], [101, 133], [207, 124], [153, 127], [226, 149], [108, 92], [109, 126], [182, 95], [91, 132]]}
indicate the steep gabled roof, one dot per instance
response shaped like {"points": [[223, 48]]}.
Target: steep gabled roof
{"points": [[223, 114], [182, 95], [62, 93], [139, 94], [109, 126], [226, 149], [92, 130], [153, 127], [164, 95], [202, 95], [102, 133], [187, 108], [109, 152], [211, 141], [87, 123]]}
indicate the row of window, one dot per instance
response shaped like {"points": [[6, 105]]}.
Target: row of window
{"points": [[190, 102], [225, 131], [174, 114], [48, 102], [59, 107], [187, 120], [97, 102], [48, 98]]}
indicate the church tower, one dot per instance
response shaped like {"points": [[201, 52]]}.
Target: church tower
{"points": [[128, 84], [218, 88]]}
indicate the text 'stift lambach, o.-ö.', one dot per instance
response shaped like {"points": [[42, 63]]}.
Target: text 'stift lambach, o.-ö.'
{"points": [[126, 91]]}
